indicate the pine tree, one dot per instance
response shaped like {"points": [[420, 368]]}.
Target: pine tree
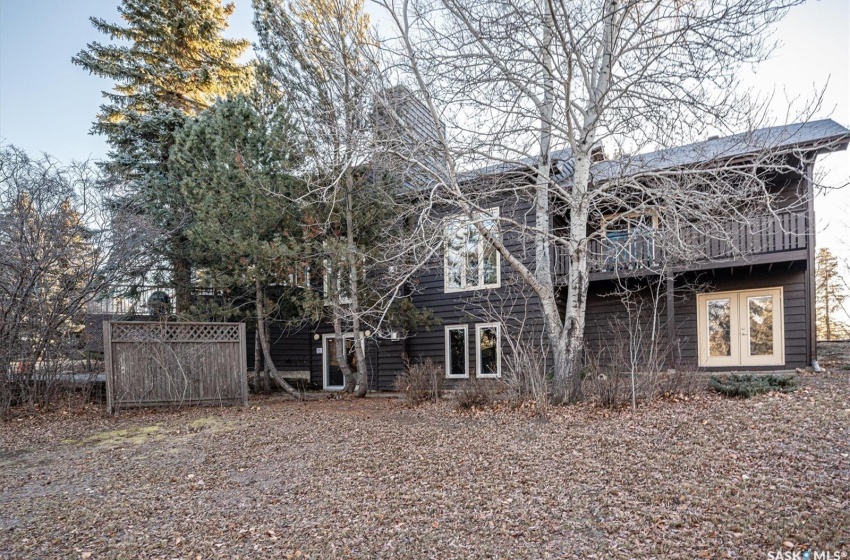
{"points": [[830, 294], [234, 166], [171, 63]]}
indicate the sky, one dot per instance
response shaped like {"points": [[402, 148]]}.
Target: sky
{"points": [[47, 104]]}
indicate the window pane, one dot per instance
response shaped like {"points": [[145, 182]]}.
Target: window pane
{"points": [[457, 352], [472, 241], [720, 327], [490, 257], [490, 264], [488, 352], [760, 310], [455, 260]]}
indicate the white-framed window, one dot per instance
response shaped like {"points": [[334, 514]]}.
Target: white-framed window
{"points": [[457, 351], [488, 350], [471, 262], [336, 281]]}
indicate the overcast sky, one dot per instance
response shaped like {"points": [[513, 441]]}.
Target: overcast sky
{"points": [[47, 104]]}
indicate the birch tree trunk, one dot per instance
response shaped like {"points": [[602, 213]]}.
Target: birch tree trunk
{"points": [[354, 279]]}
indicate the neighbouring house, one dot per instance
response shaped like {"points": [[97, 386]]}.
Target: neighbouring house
{"points": [[742, 299]]}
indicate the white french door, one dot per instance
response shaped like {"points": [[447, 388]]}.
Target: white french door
{"points": [[743, 328]]}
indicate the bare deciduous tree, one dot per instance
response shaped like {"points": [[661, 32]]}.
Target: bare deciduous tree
{"points": [[516, 80], [61, 245]]}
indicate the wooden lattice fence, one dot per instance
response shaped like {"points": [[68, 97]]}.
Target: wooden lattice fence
{"points": [[173, 364]]}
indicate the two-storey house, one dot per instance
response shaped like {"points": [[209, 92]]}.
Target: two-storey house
{"points": [[741, 299]]}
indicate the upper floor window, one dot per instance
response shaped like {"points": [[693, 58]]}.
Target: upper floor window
{"points": [[630, 224], [471, 261], [336, 283]]}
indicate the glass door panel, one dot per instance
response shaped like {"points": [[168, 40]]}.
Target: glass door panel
{"points": [[718, 343], [761, 331]]}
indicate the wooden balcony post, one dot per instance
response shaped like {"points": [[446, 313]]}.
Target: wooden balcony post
{"points": [[671, 319]]}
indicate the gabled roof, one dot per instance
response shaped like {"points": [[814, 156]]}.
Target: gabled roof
{"points": [[819, 136], [562, 167], [822, 135]]}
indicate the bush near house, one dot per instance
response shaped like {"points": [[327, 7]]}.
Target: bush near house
{"points": [[749, 385], [421, 382]]}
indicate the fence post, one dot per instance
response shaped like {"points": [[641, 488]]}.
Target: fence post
{"points": [[107, 362], [243, 350]]}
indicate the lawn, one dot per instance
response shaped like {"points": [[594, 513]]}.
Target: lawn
{"points": [[706, 477]]}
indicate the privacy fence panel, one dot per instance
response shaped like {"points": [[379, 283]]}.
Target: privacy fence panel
{"points": [[174, 364]]}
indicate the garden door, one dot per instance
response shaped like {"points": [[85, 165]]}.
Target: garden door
{"points": [[742, 328]]}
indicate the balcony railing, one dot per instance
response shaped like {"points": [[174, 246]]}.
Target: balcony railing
{"points": [[722, 241]]}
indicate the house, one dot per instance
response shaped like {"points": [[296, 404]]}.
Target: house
{"points": [[740, 298], [743, 299]]}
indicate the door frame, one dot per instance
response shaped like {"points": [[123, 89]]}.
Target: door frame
{"points": [[740, 338], [326, 359]]}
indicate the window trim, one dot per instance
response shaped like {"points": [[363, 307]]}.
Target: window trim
{"points": [[478, 328], [465, 329], [631, 214], [466, 287]]}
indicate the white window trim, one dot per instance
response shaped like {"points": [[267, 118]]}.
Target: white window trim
{"points": [[326, 360], [478, 328], [613, 218], [465, 330], [465, 286]]}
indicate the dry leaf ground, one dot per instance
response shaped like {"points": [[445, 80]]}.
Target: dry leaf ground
{"points": [[708, 477]]}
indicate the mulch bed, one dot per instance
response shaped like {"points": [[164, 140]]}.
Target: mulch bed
{"points": [[704, 477]]}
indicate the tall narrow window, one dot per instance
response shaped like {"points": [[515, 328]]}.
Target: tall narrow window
{"points": [[457, 351], [489, 350], [471, 262]]}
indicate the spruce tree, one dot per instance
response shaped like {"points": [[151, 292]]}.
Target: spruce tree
{"points": [[830, 294], [170, 62]]}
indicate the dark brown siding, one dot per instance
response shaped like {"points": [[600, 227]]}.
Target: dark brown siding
{"points": [[605, 307], [290, 350], [384, 360], [518, 306]]}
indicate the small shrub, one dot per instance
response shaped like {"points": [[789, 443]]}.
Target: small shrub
{"points": [[478, 392], [525, 377], [606, 388], [746, 386], [421, 382], [683, 380]]}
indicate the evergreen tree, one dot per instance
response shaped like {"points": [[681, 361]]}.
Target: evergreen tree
{"points": [[830, 294], [171, 62], [234, 166]]}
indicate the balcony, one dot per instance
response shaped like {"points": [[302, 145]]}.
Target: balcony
{"points": [[771, 238]]}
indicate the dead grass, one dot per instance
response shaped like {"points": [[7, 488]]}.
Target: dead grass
{"points": [[701, 476]]}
